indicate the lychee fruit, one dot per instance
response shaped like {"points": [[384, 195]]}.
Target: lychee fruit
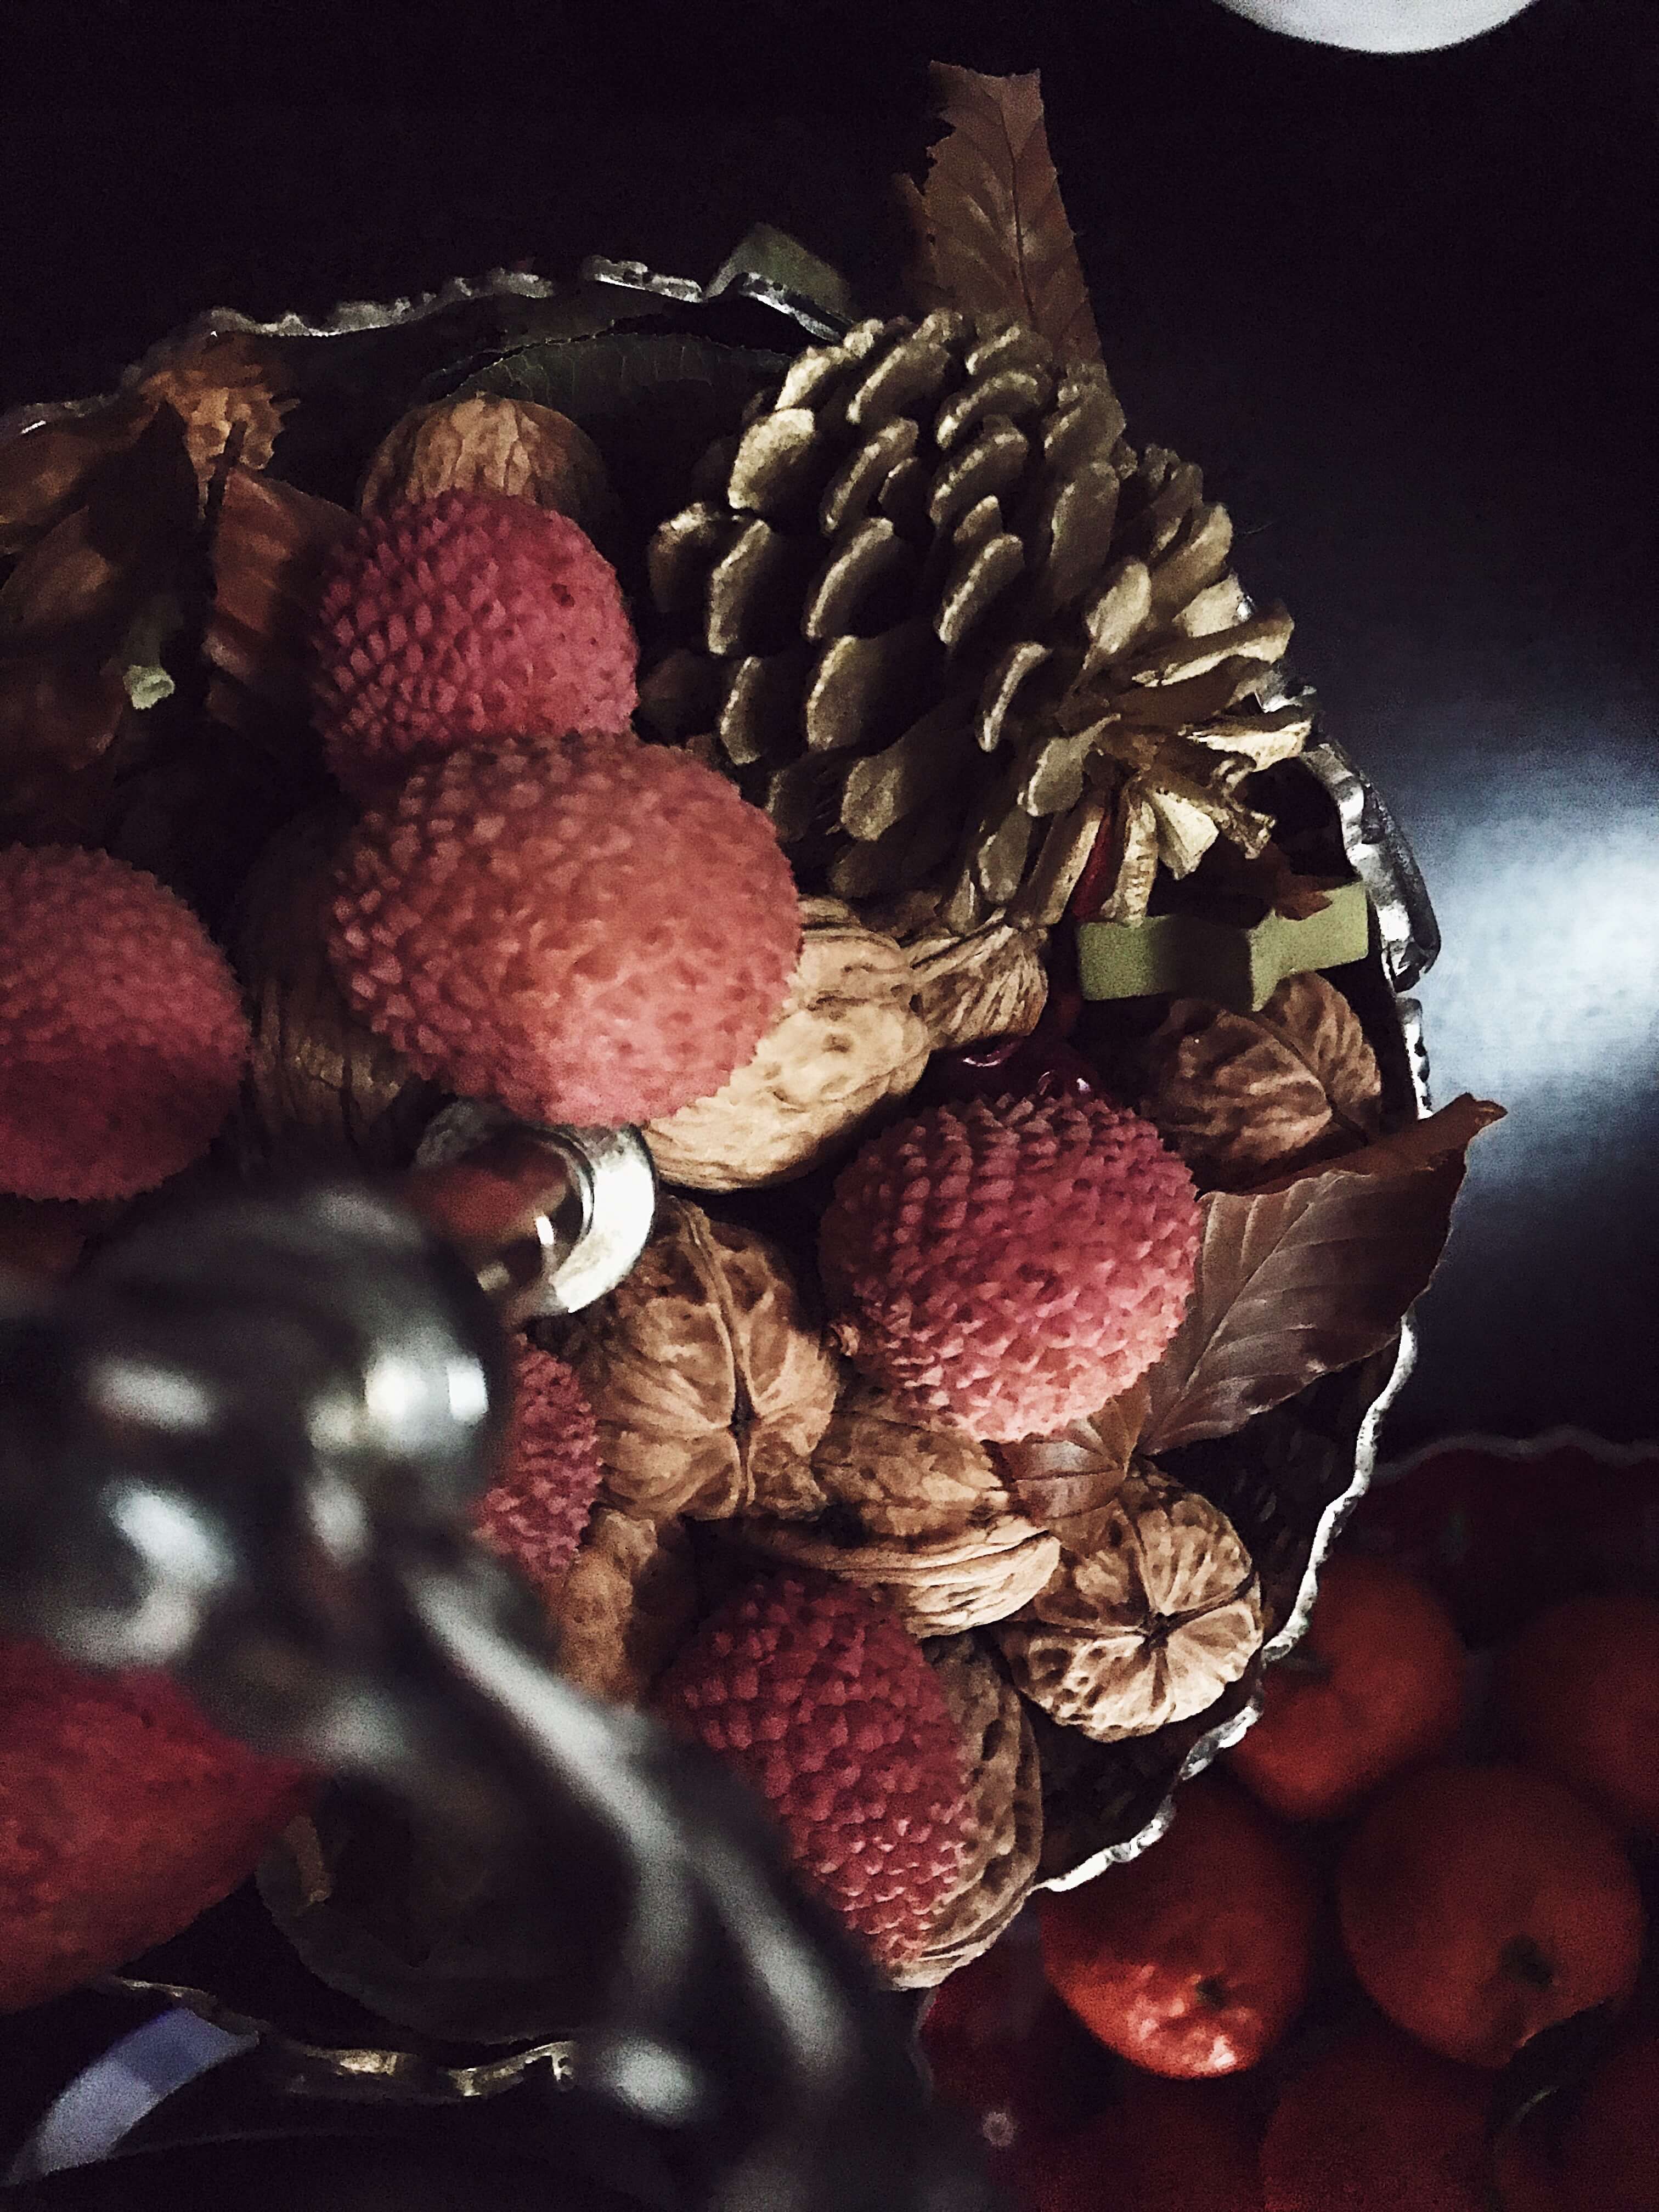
{"points": [[587, 929], [824, 1703], [1007, 1265], [123, 1816], [536, 1509], [122, 1033], [470, 615]]}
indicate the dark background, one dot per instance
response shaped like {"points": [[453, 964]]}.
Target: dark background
{"points": [[1403, 310]]}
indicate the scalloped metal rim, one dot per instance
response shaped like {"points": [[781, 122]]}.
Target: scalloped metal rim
{"points": [[361, 2073]]}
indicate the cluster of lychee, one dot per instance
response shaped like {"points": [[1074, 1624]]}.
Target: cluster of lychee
{"points": [[539, 909]]}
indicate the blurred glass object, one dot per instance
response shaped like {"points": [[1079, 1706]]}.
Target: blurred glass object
{"points": [[1380, 27]]}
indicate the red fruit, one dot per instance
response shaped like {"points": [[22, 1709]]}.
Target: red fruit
{"points": [[1375, 1685], [468, 615], [1577, 1693], [827, 1705], [122, 1034], [1379, 2125], [587, 928], [1610, 2155], [536, 1508], [1195, 1957], [1480, 1904], [123, 1815], [1170, 2147], [1007, 1266], [1500, 1531]]}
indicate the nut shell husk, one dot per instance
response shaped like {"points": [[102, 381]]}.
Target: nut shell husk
{"points": [[1147, 1628], [1006, 1788], [709, 1382], [490, 443], [626, 1607], [229, 388], [321, 1086], [849, 1039]]}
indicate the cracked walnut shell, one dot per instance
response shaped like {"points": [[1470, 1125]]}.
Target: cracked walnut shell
{"points": [[849, 1040], [709, 1385], [1150, 1627], [1006, 1785]]}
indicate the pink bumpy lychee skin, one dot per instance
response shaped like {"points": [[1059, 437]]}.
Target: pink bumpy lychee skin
{"points": [[536, 1509], [445, 620], [824, 1703], [587, 929], [123, 1815], [1007, 1266], [122, 1033]]}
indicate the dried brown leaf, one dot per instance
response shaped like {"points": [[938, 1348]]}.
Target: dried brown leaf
{"points": [[268, 549], [1067, 1483], [47, 472], [78, 588], [1306, 1277], [990, 224]]}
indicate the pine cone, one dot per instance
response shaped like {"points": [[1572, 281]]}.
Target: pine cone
{"points": [[947, 625]]}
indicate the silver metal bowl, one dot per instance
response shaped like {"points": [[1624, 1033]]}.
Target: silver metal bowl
{"points": [[1289, 1480]]}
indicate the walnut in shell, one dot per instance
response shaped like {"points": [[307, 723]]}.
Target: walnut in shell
{"points": [[321, 1086], [884, 1477], [490, 443], [627, 1605], [1006, 1786], [709, 1384], [938, 1586], [1244, 1096], [849, 1039], [1148, 1628], [918, 1518], [992, 982]]}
